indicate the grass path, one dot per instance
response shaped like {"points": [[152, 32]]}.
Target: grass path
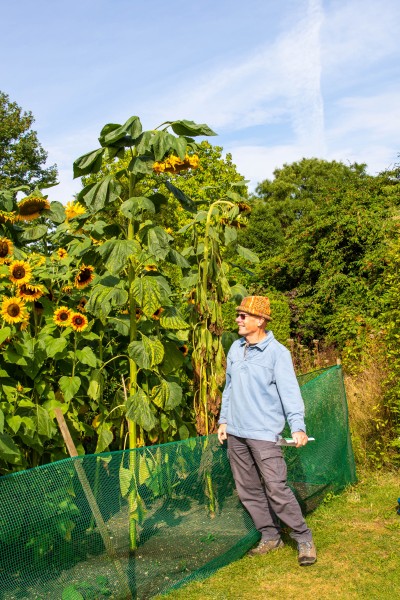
{"points": [[358, 540]]}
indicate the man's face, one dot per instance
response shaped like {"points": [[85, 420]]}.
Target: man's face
{"points": [[247, 324]]}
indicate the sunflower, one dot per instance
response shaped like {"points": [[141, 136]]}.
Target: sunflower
{"points": [[62, 316], [62, 253], [82, 303], [84, 277], [157, 314], [32, 207], [78, 321], [74, 209], [13, 310], [30, 292], [37, 260], [20, 272], [67, 289], [184, 349], [150, 268], [6, 250], [174, 164], [8, 217]]}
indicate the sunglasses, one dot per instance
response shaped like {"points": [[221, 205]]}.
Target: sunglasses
{"points": [[242, 316]]}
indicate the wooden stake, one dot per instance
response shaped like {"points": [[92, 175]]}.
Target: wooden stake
{"points": [[94, 507]]}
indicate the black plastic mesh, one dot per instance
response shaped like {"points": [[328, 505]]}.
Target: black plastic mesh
{"points": [[64, 527]]}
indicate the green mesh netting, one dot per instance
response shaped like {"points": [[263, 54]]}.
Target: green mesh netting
{"points": [[64, 527]]}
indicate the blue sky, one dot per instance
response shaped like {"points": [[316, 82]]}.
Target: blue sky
{"points": [[276, 80]]}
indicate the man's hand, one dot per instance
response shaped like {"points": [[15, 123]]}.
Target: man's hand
{"points": [[300, 438], [222, 435]]}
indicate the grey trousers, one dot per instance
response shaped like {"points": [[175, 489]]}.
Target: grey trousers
{"points": [[260, 472]]}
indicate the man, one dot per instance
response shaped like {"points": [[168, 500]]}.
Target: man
{"points": [[261, 393]]}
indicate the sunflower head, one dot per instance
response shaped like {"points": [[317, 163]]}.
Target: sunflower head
{"points": [[32, 207], [30, 292], [150, 268], [20, 272], [8, 217], [62, 316], [74, 209], [79, 322], [82, 303], [6, 250], [62, 253], [174, 164], [84, 277], [184, 349], [157, 314], [13, 310]]}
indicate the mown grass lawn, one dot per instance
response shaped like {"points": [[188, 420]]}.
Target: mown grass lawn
{"points": [[358, 540]]}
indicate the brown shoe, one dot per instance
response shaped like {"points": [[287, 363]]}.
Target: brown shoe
{"points": [[266, 546], [307, 553]]}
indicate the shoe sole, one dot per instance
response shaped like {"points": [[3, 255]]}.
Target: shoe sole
{"points": [[307, 562], [251, 553]]}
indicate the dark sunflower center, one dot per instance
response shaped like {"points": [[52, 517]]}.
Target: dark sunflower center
{"points": [[3, 249], [78, 321], [14, 310], [19, 272], [27, 291], [63, 316], [84, 275]]}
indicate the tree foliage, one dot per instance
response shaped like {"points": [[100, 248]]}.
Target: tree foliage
{"points": [[22, 158]]}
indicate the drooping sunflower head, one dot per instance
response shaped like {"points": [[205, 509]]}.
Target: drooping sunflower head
{"points": [[184, 349], [13, 310], [82, 303], [84, 277], [30, 292], [62, 316], [6, 250], [150, 268], [174, 164], [157, 314], [32, 207], [20, 272], [74, 209], [79, 322], [62, 253], [8, 217]]}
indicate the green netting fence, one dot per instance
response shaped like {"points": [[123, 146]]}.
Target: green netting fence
{"points": [[64, 527]]}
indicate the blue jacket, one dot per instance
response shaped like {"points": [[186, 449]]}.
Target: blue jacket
{"points": [[261, 391]]}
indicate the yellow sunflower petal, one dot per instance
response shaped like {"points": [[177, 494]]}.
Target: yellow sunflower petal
{"points": [[20, 272], [13, 310]]}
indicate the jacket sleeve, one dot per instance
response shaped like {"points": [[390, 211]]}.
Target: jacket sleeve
{"points": [[226, 393], [289, 392]]}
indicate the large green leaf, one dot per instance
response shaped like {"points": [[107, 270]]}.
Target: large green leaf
{"points": [[156, 240], [247, 254], [186, 202], [135, 206], [126, 478], [172, 319], [141, 165], [121, 135], [115, 254], [174, 398], [69, 386], [56, 212], [71, 593], [190, 128], [146, 353], [9, 452], [230, 234], [45, 426], [102, 193], [96, 383], [105, 437], [147, 293], [54, 346], [173, 358], [4, 333], [34, 233], [177, 259], [87, 357], [138, 410], [103, 298], [163, 143], [88, 163]]}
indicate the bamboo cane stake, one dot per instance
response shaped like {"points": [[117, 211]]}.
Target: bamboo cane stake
{"points": [[94, 507]]}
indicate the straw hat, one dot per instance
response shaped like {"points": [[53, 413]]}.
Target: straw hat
{"points": [[258, 306]]}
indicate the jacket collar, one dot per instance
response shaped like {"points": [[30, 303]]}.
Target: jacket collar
{"points": [[263, 344]]}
